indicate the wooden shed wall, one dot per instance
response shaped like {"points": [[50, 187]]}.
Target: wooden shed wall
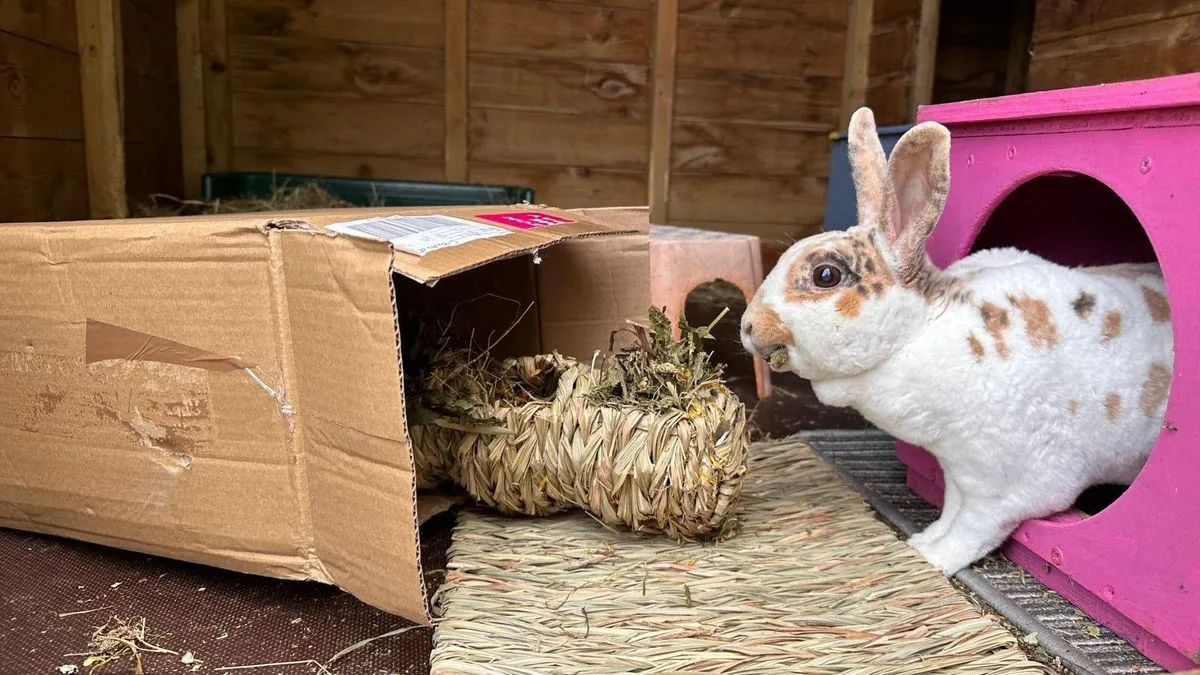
{"points": [[153, 154], [43, 169], [553, 94], [756, 94], [1082, 43], [43, 173]]}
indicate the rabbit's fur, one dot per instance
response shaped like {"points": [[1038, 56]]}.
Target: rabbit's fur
{"points": [[1029, 381]]}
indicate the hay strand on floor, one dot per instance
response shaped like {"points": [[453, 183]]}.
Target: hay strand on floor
{"points": [[814, 584]]}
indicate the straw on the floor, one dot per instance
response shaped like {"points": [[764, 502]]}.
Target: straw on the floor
{"points": [[812, 584]]}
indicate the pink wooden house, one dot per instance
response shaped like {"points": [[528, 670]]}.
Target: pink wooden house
{"points": [[1098, 175]]}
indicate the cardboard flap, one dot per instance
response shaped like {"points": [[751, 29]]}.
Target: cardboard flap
{"points": [[433, 243]]}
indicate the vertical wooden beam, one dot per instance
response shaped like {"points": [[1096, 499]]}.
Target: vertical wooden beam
{"points": [[926, 57], [662, 113], [191, 94], [856, 67], [457, 138], [98, 25], [1016, 73], [218, 102]]}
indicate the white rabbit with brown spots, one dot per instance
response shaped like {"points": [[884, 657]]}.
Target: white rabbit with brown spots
{"points": [[1029, 381]]}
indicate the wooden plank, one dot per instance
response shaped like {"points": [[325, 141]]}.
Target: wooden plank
{"points": [[163, 10], [795, 201], [724, 148], [857, 61], [731, 96], [926, 56], [152, 169], [1016, 71], [42, 180], [887, 95], [40, 97], [338, 164], [892, 46], [760, 47], [966, 72], [100, 75], [505, 136], [890, 11], [1059, 19], [567, 187], [973, 50], [190, 58], [50, 22], [335, 69], [415, 23], [151, 112], [560, 30], [282, 122], [548, 85], [804, 12], [218, 98], [666, 36], [457, 132], [1154, 49], [148, 45]]}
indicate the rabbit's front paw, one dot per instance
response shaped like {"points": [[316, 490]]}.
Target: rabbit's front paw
{"points": [[920, 539]]}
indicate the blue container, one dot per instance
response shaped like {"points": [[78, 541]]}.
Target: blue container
{"points": [[840, 205]]}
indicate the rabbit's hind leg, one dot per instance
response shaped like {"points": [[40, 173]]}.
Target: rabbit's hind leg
{"points": [[939, 527], [979, 527]]}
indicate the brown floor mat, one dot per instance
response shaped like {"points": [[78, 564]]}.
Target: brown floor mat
{"points": [[57, 591]]}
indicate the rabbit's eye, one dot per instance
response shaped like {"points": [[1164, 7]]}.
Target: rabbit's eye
{"points": [[826, 276]]}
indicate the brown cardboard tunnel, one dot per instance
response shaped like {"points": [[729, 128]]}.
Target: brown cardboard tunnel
{"points": [[227, 389]]}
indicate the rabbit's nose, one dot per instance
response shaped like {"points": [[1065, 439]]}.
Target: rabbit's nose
{"points": [[748, 328]]}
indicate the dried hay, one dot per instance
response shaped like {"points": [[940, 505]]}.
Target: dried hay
{"points": [[303, 197], [117, 640], [814, 584], [648, 440]]}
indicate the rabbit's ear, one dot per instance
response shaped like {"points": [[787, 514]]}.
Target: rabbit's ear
{"points": [[919, 176], [869, 168]]}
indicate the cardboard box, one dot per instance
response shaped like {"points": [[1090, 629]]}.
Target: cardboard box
{"points": [[227, 389]]}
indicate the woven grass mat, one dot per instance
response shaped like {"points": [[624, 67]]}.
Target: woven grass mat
{"points": [[813, 584]]}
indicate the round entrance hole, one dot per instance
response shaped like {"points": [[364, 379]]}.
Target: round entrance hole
{"points": [[704, 304], [1071, 219]]}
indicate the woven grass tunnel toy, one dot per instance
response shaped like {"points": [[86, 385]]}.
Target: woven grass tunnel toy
{"points": [[649, 439]]}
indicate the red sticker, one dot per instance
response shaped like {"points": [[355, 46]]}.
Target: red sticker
{"points": [[525, 220]]}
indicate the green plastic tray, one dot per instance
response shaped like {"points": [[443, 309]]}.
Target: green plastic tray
{"points": [[361, 191]]}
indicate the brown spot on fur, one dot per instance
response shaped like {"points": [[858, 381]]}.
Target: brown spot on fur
{"points": [[995, 320], [1112, 406], [1111, 327], [1039, 325], [976, 347], [1155, 388], [1084, 304], [769, 328], [937, 286], [1160, 310], [849, 304], [1073, 406]]}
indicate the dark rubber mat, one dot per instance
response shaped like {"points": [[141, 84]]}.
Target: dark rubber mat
{"points": [[1078, 644], [55, 592]]}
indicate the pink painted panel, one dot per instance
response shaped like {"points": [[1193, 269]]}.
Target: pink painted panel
{"points": [[1119, 97], [1142, 554]]}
